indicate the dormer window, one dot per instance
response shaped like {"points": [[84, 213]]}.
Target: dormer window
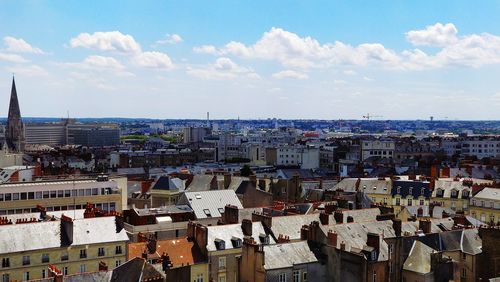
{"points": [[207, 212], [454, 193], [398, 190], [465, 194], [410, 190], [422, 191], [439, 192]]}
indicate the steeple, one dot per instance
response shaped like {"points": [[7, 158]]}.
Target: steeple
{"points": [[14, 131]]}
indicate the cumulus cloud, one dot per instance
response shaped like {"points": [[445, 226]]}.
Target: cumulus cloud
{"points": [[19, 45], [153, 59], [206, 49], [294, 51], [222, 68], [28, 70], [434, 35], [171, 39], [12, 58], [290, 74], [107, 41], [103, 62]]}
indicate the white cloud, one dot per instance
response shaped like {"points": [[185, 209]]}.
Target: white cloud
{"points": [[291, 50], [19, 45], [171, 39], [28, 70], [153, 59], [107, 41], [206, 49], [434, 35], [350, 72], [223, 68], [13, 58], [103, 62], [290, 74]]}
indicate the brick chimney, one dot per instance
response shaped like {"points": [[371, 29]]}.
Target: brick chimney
{"points": [[231, 214], [373, 240], [227, 180], [151, 244], [55, 273], [253, 179], [397, 225], [66, 231], [304, 232], [103, 266], [339, 216], [119, 222], [342, 246], [283, 239], [330, 208], [425, 225], [445, 172], [166, 262], [350, 219], [246, 227], [267, 220], [332, 238], [324, 218]]}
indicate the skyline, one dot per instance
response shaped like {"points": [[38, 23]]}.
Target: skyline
{"points": [[321, 60]]}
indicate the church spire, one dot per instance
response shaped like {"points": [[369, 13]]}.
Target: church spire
{"points": [[14, 131]]}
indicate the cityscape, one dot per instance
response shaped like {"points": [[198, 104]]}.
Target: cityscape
{"points": [[293, 157]]}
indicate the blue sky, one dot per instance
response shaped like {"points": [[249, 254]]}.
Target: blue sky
{"points": [[253, 59]]}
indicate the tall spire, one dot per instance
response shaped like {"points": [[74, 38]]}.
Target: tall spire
{"points": [[14, 131]]}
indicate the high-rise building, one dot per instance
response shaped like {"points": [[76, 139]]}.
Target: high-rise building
{"points": [[14, 130]]}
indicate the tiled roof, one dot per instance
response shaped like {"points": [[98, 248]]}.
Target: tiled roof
{"points": [[181, 251]]}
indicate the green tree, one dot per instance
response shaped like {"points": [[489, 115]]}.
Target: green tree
{"points": [[246, 171]]}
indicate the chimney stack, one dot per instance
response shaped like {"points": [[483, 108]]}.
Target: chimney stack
{"points": [[227, 180], [332, 238], [425, 225], [339, 216], [231, 214], [397, 225], [66, 231], [246, 227], [373, 240], [324, 218]]}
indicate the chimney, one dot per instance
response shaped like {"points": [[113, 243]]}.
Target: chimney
{"points": [[145, 185], [267, 220], [358, 182], [339, 216], [246, 227], [190, 230], [262, 184], [66, 231], [166, 263], [459, 219], [330, 208], [283, 239], [324, 218], [350, 219], [103, 266], [89, 211], [373, 240], [425, 226], [332, 238], [55, 273], [397, 225], [304, 232], [151, 244], [253, 179], [342, 246], [119, 222], [42, 210], [231, 214], [227, 180], [445, 172], [141, 237]]}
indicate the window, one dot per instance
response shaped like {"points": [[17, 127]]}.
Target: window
{"points": [[65, 270], [222, 278], [5, 278], [45, 258], [422, 202], [304, 276], [100, 252], [5, 262], [53, 194], [8, 197], [422, 191], [296, 276], [44, 273], [398, 190], [410, 201], [398, 201], [282, 277], [118, 250], [207, 212], [410, 190], [15, 196], [26, 260], [26, 276], [118, 263], [82, 268], [464, 272], [60, 193], [199, 277], [464, 256], [222, 262], [374, 277], [83, 253]]}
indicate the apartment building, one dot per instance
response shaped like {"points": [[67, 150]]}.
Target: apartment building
{"points": [[377, 148], [65, 194], [74, 246], [485, 206]]}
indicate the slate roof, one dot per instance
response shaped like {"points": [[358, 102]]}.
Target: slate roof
{"points": [[20, 237], [201, 182], [416, 188], [226, 232], [166, 183], [447, 185], [210, 201], [488, 194], [287, 255], [419, 259], [135, 270], [291, 225], [367, 185]]}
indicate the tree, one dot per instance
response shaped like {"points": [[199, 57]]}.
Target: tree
{"points": [[246, 171]]}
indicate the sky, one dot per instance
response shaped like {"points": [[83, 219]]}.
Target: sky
{"points": [[252, 59]]}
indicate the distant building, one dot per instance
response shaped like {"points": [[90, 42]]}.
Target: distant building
{"points": [[52, 134], [195, 134], [14, 130], [377, 148], [96, 137]]}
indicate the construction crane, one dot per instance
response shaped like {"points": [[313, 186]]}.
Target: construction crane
{"points": [[370, 116]]}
